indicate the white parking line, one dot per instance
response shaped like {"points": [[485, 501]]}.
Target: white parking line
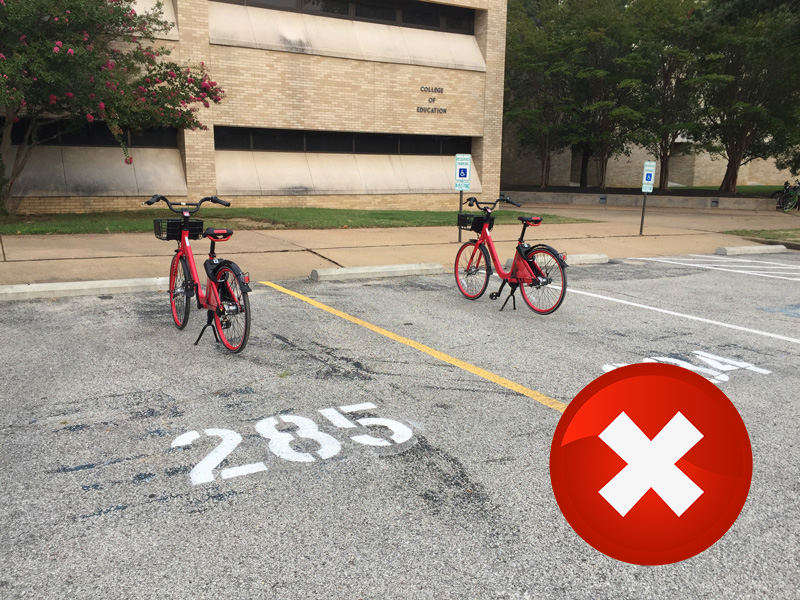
{"points": [[690, 317], [734, 268]]}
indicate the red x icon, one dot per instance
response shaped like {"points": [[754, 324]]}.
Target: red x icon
{"points": [[651, 464]]}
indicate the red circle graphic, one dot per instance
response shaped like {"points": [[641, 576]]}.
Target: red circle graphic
{"points": [[651, 464]]}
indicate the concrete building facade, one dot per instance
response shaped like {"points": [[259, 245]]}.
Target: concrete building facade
{"points": [[329, 103]]}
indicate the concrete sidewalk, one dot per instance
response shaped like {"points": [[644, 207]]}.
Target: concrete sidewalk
{"points": [[293, 254]]}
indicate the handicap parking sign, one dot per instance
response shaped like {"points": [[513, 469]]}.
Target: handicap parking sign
{"points": [[648, 177], [462, 173]]}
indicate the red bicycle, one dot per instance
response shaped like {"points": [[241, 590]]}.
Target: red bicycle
{"points": [[226, 289], [537, 270]]}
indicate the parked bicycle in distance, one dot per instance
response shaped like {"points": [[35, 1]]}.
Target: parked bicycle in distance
{"points": [[539, 270], [789, 198], [225, 293]]}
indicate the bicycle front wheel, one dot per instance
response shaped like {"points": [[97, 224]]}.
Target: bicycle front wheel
{"points": [[546, 291], [179, 280], [472, 270], [788, 201], [232, 319]]}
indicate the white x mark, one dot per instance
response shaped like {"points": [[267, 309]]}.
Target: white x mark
{"points": [[651, 464]]}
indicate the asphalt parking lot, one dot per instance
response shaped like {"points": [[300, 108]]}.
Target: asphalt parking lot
{"points": [[331, 460]]}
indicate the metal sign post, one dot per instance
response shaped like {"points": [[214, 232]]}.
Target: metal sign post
{"points": [[647, 186], [463, 172]]}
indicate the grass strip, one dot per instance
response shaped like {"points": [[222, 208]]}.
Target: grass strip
{"points": [[247, 218], [781, 235]]}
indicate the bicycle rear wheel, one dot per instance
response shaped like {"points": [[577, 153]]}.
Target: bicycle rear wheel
{"points": [[179, 280], [788, 200], [472, 270], [545, 293], [232, 320]]}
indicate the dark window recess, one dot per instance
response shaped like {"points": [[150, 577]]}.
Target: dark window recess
{"points": [[276, 4], [411, 13], [421, 17], [291, 140], [420, 144], [232, 138], [456, 145], [154, 138], [329, 141], [278, 140], [332, 7], [374, 143], [376, 12]]}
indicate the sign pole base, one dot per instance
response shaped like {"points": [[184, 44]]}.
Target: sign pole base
{"points": [[644, 204]]}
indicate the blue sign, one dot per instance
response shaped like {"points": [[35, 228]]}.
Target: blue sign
{"points": [[648, 177], [462, 173]]}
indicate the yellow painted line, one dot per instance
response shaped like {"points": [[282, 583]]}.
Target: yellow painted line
{"points": [[506, 383]]}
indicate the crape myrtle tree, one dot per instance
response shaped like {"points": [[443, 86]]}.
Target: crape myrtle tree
{"points": [[78, 62], [749, 107], [538, 80], [663, 76]]}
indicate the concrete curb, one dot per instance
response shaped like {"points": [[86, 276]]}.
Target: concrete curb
{"points": [[575, 260], [32, 291], [380, 271], [789, 245], [739, 250]]}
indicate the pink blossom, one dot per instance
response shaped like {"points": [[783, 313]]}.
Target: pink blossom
{"points": [[56, 19], [171, 73], [70, 51], [129, 160], [102, 106], [89, 117], [59, 44], [68, 94], [56, 50], [53, 99], [189, 80], [2, 56], [91, 96]]}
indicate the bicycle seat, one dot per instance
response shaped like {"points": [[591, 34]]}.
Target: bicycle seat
{"points": [[531, 220], [218, 235]]}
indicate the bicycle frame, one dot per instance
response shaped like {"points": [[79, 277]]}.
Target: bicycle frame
{"points": [[520, 268], [208, 300]]}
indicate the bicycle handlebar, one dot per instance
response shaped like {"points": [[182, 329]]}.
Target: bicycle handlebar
{"points": [[490, 206], [185, 206]]}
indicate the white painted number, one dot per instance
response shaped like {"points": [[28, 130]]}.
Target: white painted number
{"points": [[280, 441], [715, 372], [203, 471], [400, 432]]}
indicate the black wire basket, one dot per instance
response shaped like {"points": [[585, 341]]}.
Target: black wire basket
{"points": [[170, 229], [470, 222]]}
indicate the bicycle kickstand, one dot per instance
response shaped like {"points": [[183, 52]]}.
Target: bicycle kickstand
{"points": [[511, 297], [210, 323]]}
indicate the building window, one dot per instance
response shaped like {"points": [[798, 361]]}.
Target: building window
{"points": [[96, 134], [290, 140], [408, 13]]}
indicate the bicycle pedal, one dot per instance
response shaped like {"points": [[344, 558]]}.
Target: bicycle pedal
{"points": [[494, 295]]}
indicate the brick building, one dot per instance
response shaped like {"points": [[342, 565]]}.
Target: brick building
{"points": [[329, 103]]}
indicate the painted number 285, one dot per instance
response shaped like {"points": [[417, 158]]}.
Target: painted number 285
{"points": [[280, 440]]}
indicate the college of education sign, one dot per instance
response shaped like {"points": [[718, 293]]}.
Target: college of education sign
{"points": [[436, 110]]}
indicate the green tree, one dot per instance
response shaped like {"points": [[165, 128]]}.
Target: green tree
{"points": [[597, 38], [751, 65], [81, 61], [538, 80], [662, 72]]}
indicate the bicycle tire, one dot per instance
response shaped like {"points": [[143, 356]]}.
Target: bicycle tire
{"points": [[179, 277], [472, 270], [232, 321], [788, 200], [544, 297]]}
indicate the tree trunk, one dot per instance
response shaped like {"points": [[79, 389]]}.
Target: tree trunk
{"points": [[545, 181], [665, 152], [603, 166], [586, 153]]}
